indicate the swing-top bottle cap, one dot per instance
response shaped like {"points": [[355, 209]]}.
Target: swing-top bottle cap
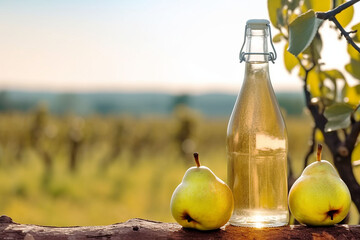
{"points": [[258, 23], [257, 28]]}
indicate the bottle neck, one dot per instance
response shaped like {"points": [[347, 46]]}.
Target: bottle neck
{"points": [[256, 45]]}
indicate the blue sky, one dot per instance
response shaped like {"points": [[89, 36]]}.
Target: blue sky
{"points": [[139, 45]]}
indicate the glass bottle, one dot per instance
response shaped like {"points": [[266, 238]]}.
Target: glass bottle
{"points": [[257, 139]]}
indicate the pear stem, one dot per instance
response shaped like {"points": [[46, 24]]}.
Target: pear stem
{"points": [[197, 161], [318, 154]]}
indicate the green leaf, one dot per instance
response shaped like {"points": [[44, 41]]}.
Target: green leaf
{"points": [[314, 82], [301, 73], [277, 37], [280, 17], [289, 59], [338, 110], [356, 153], [340, 123], [334, 74], [351, 94], [273, 6], [356, 37], [353, 68], [314, 50], [345, 17], [338, 116], [319, 136], [302, 31], [354, 54], [327, 93], [318, 5]]}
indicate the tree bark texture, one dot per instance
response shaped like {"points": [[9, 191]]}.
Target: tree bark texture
{"points": [[146, 229]]}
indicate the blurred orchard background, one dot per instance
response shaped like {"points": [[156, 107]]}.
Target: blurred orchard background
{"points": [[102, 103]]}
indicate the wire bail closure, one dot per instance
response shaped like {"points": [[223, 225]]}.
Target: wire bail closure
{"points": [[272, 55]]}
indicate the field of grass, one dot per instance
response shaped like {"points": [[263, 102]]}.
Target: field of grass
{"points": [[98, 170]]}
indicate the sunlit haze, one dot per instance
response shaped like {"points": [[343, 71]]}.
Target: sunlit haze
{"points": [[141, 45]]}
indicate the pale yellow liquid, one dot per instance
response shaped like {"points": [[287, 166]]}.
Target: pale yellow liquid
{"points": [[257, 154], [259, 186]]}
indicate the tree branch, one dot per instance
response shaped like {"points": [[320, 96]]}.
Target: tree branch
{"points": [[345, 33], [327, 15], [330, 15]]}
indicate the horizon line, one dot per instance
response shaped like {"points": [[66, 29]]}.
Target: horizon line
{"points": [[129, 91]]}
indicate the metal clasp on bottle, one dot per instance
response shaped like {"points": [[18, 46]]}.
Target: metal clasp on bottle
{"points": [[271, 55]]}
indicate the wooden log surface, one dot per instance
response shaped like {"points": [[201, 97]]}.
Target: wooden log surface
{"points": [[146, 229]]}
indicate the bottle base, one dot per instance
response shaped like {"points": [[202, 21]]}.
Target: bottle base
{"points": [[259, 218]]}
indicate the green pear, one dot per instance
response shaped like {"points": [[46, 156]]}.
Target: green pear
{"points": [[202, 200], [319, 197]]}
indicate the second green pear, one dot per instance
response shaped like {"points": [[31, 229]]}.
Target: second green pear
{"points": [[319, 197]]}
